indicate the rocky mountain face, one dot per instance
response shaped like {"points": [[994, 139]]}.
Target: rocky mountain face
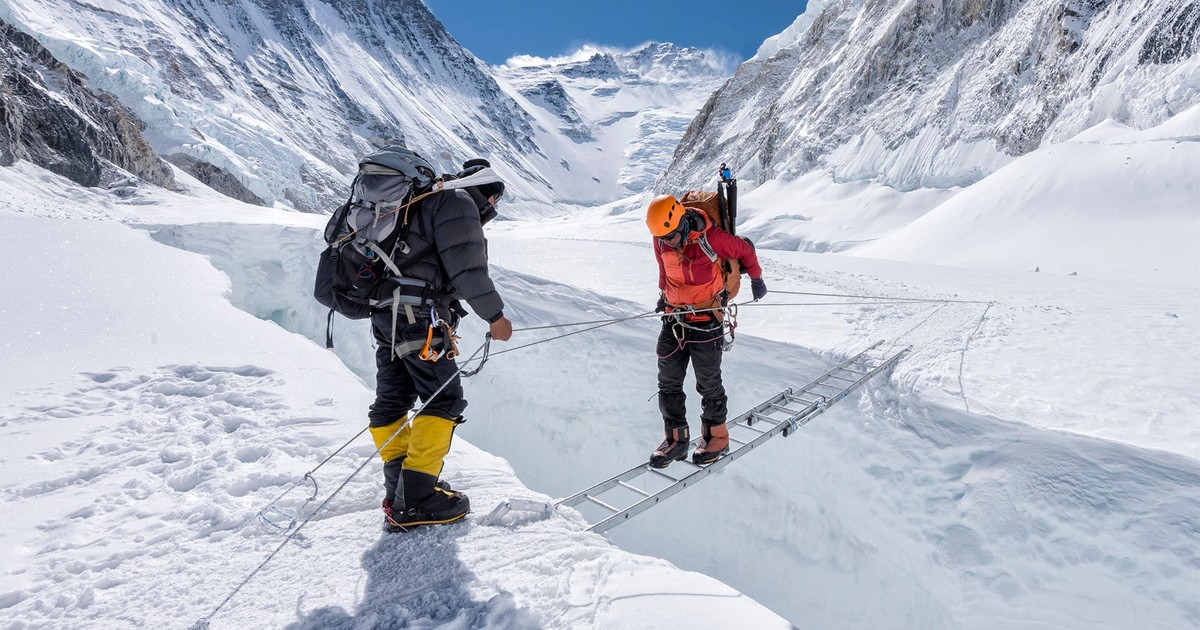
{"points": [[274, 100], [940, 93], [49, 117]]}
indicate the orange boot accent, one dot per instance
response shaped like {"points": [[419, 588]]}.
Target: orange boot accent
{"points": [[713, 445], [673, 448]]}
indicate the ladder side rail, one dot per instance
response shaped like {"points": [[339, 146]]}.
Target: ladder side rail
{"points": [[691, 479], [849, 361], [806, 415], [800, 419], [891, 362], [602, 487]]}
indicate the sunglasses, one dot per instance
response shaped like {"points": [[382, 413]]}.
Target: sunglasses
{"points": [[685, 226]]}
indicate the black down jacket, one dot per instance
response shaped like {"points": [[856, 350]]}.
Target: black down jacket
{"points": [[450, 221]]}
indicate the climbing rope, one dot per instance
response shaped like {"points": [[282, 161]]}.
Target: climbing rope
{"points": [[485, 348], [599, 323], [962, 359], [880, 297], [888, 303], [308, 477], [593, 325]]}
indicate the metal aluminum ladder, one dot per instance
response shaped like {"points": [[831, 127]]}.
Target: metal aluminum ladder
{"points": [[616, 500]]}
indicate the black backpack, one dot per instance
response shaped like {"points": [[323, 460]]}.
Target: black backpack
{"points": [[366, 235]]}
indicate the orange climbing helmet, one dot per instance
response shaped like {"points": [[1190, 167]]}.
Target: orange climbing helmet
{"points": [[663, 215]]}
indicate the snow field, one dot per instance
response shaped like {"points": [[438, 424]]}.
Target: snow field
{"points": [[953, 518], [971, 491], [138, 447], [945, 518]]}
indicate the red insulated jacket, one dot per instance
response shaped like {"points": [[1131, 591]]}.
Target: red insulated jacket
{"points": [[686, 275]]}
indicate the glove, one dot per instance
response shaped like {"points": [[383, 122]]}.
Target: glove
{"points": [[758, 288], [661, 307]]}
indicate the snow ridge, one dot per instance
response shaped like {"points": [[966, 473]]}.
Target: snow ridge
{"points": [[926, 93]]}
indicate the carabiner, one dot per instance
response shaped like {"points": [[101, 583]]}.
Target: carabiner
{"points": [[428, 353]]}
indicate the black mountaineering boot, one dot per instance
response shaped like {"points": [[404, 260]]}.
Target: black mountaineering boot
{"points": [[674, 448], [441, 505], [389, 508]]}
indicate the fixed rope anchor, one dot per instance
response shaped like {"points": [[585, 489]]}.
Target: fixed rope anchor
{"points": [[266, 514], [540, 509]]}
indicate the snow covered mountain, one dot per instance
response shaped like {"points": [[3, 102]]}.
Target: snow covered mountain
{"points": [[1031, 464], [940, 93], [284, 96], [626, 109], [272, 101], [864, 117]]}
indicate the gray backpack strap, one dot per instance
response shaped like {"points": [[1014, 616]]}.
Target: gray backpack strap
{"points": [[707, 247], [387, 260]]}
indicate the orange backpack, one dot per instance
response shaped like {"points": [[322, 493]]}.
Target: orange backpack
{"points": [[708, 203]]}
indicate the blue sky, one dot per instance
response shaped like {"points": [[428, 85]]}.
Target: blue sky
{"points": [[498, 29]]}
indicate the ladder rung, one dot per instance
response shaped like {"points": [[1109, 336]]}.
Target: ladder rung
{"points": [[752, 428], [661, 474], [733, 439], [758, 416], [844, 380], [835, 387], [786, 410], [635, 489], [803, 400], [601, 503]]}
